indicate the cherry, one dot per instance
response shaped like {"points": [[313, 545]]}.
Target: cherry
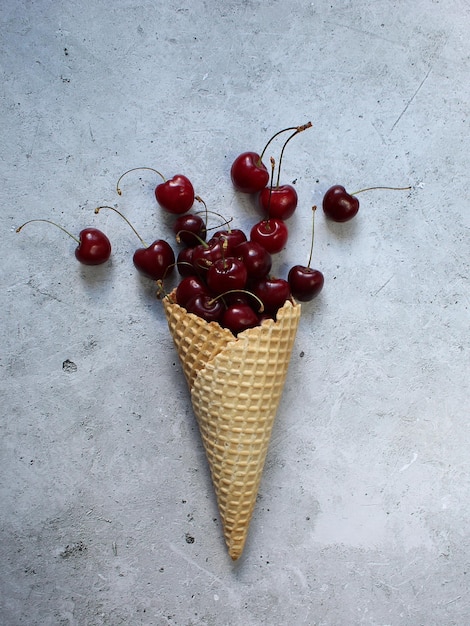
{"points": [[188, 288], [184, 262], [175, 195], [305, 282], [94, 247], [270, 233], [273, 292], [248, 172], [226, 274], [239, 317], [205, 306], [341, 206], [279, 202], [189, 229], [155, 261], [206, 253], [232, 237], [256, 258]]}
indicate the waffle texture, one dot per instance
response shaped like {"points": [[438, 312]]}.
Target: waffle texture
{"points": [[236, 384]]}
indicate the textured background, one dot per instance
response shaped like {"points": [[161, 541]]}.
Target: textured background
{"points": [[108, 515]]}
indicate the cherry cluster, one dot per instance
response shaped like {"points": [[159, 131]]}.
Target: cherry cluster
{"points": [[227, 277]]}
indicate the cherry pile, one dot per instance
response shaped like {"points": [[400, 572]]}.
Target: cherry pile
{"points": [[226, 277]]}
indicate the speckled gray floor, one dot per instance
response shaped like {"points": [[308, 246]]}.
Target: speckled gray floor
{"points": [[107, 510]]}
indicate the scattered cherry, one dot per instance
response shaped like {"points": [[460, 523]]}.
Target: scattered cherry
{"points": [[306, 283], [94, 247], [341, 206], [248, 172], [155, 261], [175, 195]]}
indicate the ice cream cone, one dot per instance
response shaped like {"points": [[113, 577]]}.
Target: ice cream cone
{"points": [[236, 384]]}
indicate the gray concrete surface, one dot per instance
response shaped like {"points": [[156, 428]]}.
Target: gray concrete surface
{"points": [[107, 514]]}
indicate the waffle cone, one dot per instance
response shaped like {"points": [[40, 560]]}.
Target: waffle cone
{"points": [[236, 384]]}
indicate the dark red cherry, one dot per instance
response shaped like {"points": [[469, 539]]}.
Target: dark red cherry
{"points": [[184, 262], [232, 237], [188, 288], [189, 229], [226, 274], [94, 247], [205, 254], [175, 195], [271, 233], [305, 282], [279, 202], [248, 173], [239, 317], [273, 292], [206, 306], [156, 261], [339, 205], [256, 258]]}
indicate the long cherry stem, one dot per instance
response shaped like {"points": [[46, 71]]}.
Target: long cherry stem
{"points": [[314, 208], [134, 169], [273, 166], [49, 222], [284, 130], [298, 130], [372, 188], [111, 208]]}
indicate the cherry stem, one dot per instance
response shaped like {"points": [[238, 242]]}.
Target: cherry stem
{"points": [[49, 222], [298, 130], [226, 222], [273, 166], [111, 208], [250, 293], [134, 169], [314, 208], [199, 199], [284, 130], [372, 188]]}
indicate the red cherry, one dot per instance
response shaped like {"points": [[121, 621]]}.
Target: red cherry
{"points": [[273, 292], [279, 202], [184, 262], [339, 205], [232, 238], [189, 229], [248, 173], [226, 274], [155, 261], [175, 195], [206, 306], [305, 282], [205, 254], [239, 317], [94, 247], [188, 288], [271, 233], [256, 258]]}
